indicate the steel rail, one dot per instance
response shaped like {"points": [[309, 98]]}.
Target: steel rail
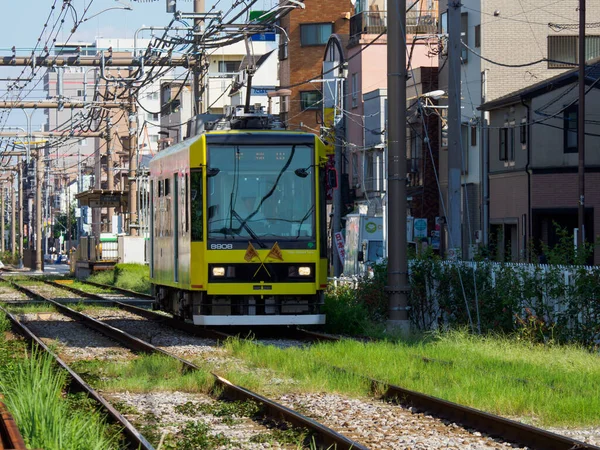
{"points": [[134, 437], [468, 417], [10, 436], [326, 435], [490, 424], [151, 315]]}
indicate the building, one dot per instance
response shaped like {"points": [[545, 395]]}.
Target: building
{"points": [[523, 43], [533, 163], [301, 48], [367, 73]]}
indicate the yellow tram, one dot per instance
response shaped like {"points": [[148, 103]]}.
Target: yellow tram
{"points": [[239, 225]]}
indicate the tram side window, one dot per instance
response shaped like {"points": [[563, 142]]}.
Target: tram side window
{"points": [[196, 204]]}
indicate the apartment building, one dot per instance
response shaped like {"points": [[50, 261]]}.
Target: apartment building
{"points": [[301, 49], [523, 43]]}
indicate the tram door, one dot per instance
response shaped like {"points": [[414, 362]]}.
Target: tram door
{"points": [[176, 227]]}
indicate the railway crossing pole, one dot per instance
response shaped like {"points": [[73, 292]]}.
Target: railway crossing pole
{"points": [[133, 154], [397, 285]]}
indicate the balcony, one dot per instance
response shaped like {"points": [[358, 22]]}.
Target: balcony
{"points": [[375, 22]]}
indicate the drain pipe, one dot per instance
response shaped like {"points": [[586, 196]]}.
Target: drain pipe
{"points": [[528, 234]]}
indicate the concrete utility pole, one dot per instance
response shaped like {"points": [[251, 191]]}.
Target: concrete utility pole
{"points": [[198, 107], [39, 179], [2, 218], [21, 200], [398, 287], [337, 193], [581, 128], [454, 147], [110, 174], [133, 151], [12, 214]]}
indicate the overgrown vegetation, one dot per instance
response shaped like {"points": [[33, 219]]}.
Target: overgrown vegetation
{"points": [[540, 384], [33, 390], [135, 277], [556, 303]]}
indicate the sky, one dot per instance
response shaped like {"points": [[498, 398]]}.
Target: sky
{"points": [[24, 22]]}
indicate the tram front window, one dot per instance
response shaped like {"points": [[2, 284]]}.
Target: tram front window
{"points": [[261, 192]]}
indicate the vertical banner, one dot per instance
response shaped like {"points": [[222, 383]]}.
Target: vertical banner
{"points": [[339, 244]]}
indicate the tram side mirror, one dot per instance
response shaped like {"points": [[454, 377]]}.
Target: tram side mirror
{"points": [[212, 211], [212, 172], [332, 179], [361, 256]]}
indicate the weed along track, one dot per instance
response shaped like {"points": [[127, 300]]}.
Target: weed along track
{"points": [[165, 396]]}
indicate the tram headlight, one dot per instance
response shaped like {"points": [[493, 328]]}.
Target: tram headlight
{"points": [[218, 271], [304, 271]]}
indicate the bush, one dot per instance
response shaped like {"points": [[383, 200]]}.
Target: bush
{"points": [[345, 315]]}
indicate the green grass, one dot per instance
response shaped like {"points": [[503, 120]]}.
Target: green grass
{"points": [[547, 386], [33, 393], [148, 373], [135, 277]]}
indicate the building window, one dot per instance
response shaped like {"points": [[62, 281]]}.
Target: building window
{"points": [[354, 90], [511, 142], [152, 95], [473, 136], [563, 50], [152, 116], [503, 144], [315, 33], [229, 66], [523, 134], [570, 116], [477, 36], [464, 138], [310, 100]]}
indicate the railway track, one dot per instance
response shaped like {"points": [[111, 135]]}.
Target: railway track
{"points": [[324, 437], [10, 437], [452, 413]]}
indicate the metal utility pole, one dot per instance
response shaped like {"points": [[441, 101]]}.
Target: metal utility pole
{"points": [[454, 147], [198, 79], [12, 215], [133, 150], [398, 287], [581, 128], [39, 179], [337, 193]]}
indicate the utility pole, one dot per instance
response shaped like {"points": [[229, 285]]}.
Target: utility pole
{"points": [[198, 107], [110, 175], [21, 200], [39, 179], [133, 148], [12, 215], [2, 218], [337, 193], [398, 287], [454, 147], [581, 129]]}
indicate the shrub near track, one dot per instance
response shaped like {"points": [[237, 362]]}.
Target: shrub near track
{"points": [[33, 389]]}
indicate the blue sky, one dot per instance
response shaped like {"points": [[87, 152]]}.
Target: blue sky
{"points": [[24, 21]]}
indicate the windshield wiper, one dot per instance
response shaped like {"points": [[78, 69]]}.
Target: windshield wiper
{"points": [[244, 224], [306, 216]]}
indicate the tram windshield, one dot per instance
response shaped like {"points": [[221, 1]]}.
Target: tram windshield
{"points": [[261, 192]]}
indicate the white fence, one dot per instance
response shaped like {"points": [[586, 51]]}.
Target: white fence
{"points": [[569, 295]]}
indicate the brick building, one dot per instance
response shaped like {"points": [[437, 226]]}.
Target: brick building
{"points": [[301, 58]]}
